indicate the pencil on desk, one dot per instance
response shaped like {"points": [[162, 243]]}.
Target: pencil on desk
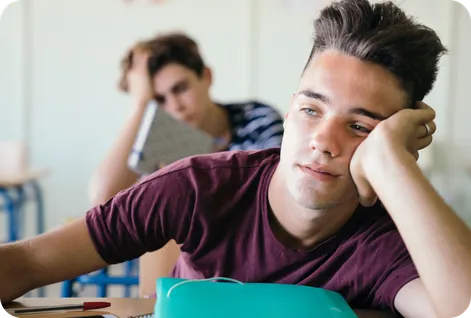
{"points": [[85, 306]]}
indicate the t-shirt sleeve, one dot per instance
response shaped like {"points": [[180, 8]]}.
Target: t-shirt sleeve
{"points": [[393, 269], [144, 217]]}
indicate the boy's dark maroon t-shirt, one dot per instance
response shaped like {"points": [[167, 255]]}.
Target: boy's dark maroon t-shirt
{"points": [[216, 206]]}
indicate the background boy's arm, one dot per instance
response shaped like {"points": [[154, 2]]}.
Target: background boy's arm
{"points": [[113, 174]]}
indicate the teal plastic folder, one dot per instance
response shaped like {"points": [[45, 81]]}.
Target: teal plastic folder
{"points": [[223, 297]]}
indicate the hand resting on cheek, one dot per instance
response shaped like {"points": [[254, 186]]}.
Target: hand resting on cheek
{"points": [[403, 134]]}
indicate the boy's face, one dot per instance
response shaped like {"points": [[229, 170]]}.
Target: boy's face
{"points": [[340, 99], [182, 93]]}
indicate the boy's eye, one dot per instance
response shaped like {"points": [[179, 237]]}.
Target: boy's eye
{"points": [[361, 129], [181, 88], [309, 111]]}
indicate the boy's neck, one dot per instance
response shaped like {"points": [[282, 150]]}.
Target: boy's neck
{"points": [[217, 123]]}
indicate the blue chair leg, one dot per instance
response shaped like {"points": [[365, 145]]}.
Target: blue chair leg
{"points": [[39, 217], [12, 217], [39, 207], [67, 288], [128, 272], [19, 208], [102, 289]]}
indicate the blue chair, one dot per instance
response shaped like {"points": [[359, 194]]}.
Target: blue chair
{"points": [[14, 198], [102, 280]]}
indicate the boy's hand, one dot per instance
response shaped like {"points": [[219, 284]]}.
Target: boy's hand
{"points": [[139, 80], [403, 134]]}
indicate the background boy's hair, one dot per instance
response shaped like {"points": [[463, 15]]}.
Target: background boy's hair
{"points": [[164, 49]]}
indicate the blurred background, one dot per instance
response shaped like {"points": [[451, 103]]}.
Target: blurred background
{"points": [[59, 69]]}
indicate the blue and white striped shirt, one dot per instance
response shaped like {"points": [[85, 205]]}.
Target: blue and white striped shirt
{"points": [[254, 126]]}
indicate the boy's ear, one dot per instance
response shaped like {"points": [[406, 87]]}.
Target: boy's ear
{"points": [[208, 75]]}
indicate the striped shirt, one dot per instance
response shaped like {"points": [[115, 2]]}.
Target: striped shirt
{"points": [[254, 126]]}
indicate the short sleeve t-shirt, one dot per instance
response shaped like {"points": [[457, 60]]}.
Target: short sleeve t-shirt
{"points": [[216, 206]]}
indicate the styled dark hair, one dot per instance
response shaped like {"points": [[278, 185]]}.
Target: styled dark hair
{"points": [[383, 34], [163, 50]]}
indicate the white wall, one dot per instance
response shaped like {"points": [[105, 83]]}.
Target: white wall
{"points": [[12, 74], [59, 62], [460, 102]]}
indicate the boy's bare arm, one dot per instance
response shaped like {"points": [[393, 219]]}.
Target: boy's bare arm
{"points": [[46, 259]]}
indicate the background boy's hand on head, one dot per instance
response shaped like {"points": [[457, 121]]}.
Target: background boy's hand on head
{"points": [[138, 78]]}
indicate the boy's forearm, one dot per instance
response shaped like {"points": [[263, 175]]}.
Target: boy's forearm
{"points": [[437, 239], [15, 272], [52, 257]]}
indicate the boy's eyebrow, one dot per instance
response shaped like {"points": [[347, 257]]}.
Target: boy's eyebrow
{"points": [[311, 94], [356, 110], [368, 113]]}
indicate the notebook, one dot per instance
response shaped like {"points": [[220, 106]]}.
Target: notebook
{"points": [[162, 140], [225, 297]]}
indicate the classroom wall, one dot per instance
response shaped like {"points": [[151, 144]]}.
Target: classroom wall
{"points": [[59, 68]]}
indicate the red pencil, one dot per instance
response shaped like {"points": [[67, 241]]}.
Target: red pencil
{"points": [[84, 306]]}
